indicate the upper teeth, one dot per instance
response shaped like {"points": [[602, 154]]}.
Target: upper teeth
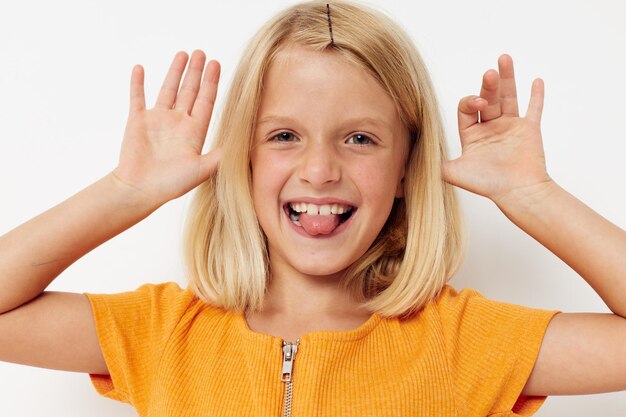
{"points": [[324, 209]]}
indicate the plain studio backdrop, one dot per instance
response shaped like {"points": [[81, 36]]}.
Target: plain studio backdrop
{"points": [[64, 80]]}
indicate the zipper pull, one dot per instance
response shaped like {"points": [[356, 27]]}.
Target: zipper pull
{"points": [[289, 356]]}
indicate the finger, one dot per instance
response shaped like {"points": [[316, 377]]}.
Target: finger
{"points": [[535, 106], [137, 95], [169, 89], [490, 91], [189, 89], [468, 111], [508, 92], [203, 107]]}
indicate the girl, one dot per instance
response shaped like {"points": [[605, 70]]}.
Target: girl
{"points": [[320, 242]]}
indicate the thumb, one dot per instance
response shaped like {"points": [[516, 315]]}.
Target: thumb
{"points": [[210, 161], [449, 172], [535, 106]]}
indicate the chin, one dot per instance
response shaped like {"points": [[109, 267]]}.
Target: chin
{"points": [[321, 266]]}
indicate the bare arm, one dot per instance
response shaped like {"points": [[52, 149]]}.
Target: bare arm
{"points": [[160, 160], [36, 252], [503, 159], [586, 241]]}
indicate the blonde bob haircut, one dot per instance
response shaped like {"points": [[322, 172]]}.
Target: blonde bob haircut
{"points": [[420, 246]]}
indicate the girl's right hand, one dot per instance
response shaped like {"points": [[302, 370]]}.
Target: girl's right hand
{"points": [[161, 153]]}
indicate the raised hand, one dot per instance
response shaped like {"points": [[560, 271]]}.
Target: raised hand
{"points": [[502, 152], [161, 153]]}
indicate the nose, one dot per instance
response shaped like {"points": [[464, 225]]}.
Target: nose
{"points": [[320, 164]]}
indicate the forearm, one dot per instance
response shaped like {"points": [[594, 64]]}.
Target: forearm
{"points": [[591, 245], [36, 252]]}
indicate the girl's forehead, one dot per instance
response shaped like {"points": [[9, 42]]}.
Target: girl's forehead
{"points": [[294, 60], [301, 80]]}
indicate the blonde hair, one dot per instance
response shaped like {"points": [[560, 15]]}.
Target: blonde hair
{"points": [[420, 246]]}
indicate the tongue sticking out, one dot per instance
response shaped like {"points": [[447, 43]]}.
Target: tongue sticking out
{"points": [[319, 225]]}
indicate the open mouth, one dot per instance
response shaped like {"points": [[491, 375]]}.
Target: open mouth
{"points": [[318, 219]]}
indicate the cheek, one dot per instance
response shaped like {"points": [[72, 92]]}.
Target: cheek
{"points": [[269, 174], [378, 180]]}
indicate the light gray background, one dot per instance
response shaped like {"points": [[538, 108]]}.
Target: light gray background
{"points": [[64, 86]]}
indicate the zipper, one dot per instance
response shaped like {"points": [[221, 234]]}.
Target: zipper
{"points": [[289, 356]]}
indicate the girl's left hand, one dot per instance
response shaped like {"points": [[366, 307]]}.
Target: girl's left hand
{"points": [[502, 154]]}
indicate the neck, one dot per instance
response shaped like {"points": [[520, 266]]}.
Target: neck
{"points": [[293, 294], [307, 296], [296, 304]]}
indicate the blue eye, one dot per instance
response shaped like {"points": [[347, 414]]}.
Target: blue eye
{"points": [[358, 139], [282, 137], [361, 140]]}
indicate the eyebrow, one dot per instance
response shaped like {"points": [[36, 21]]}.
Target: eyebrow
{"points": [[355, 120]]}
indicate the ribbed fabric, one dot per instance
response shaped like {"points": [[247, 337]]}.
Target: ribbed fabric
{"points": [[170, 354]]}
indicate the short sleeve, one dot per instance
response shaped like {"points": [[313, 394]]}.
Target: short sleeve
{"points": [[492, 347], [133, 328]]}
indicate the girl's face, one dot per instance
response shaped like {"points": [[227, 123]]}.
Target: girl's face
{"points": [[328, 140]]}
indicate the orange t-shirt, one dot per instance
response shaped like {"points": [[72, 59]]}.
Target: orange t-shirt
{"points": [[170, 354]]}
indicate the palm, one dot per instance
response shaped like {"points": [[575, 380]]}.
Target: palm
{"points": [[162, 149], [503, 152], [161, 145]]}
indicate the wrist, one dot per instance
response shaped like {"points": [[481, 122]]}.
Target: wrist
{"points": [[134, 195], [527, 197]]}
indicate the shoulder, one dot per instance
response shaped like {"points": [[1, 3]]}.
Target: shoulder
{"points": [[450, 295], [153, 305], [470, 322], [491, 347], [469, 303], [149, 294]]}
